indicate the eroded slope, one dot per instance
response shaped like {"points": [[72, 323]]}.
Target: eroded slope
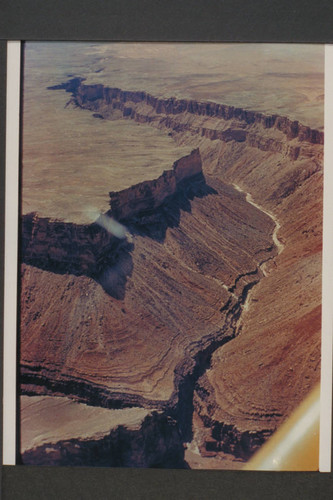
{"points": [[172, 286]]}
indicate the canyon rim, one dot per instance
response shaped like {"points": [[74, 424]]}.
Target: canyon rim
{"points": [[170, 250]]}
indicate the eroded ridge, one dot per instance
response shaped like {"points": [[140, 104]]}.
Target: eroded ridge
{"points": [[207, 119]]}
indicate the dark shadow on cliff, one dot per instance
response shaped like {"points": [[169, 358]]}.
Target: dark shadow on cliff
{"points": [[80, 250], [155, 224], [187, 384], [113, 278], [89, 250], [154, 444]]}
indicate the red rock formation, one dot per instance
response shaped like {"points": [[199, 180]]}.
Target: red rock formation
{"points": [[257, 380], [94, 96], [172, 305], [218, 295], [145, 197], [66, 247]]}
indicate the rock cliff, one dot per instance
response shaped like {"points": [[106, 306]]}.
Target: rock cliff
{"points": [[238, 124], [144, 198], [65, 247], [78, 249]]}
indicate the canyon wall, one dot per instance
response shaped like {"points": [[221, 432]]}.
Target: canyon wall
{"points": [[66, 247], [95, 96], [145, 197]]}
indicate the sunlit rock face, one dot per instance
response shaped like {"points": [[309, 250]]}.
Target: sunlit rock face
{"points": [[193, 294]]}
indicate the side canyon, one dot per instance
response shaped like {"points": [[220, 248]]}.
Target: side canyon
{"points": [[187, 316]]}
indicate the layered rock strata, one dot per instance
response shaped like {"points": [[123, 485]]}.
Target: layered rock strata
{"points": [[177, 277], [66, 247], [219, 312], [144, 198], [257, 380], [99, 97]]}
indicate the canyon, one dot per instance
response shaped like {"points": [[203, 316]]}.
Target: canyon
{"points": [[203, 318]]}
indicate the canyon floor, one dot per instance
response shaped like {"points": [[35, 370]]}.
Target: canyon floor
{"points": [[186, 341]]}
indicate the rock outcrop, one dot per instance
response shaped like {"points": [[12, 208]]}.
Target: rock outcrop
{"points": [[95, 96], [144, 198], [65, 247], [207, 119], [256, 380]]}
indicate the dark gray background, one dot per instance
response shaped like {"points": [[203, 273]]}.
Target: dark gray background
{"points": [[164, 20]]}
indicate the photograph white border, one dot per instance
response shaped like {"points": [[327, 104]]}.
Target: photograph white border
{"points": [[11, 251], [11, 262], [325, 435]]}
